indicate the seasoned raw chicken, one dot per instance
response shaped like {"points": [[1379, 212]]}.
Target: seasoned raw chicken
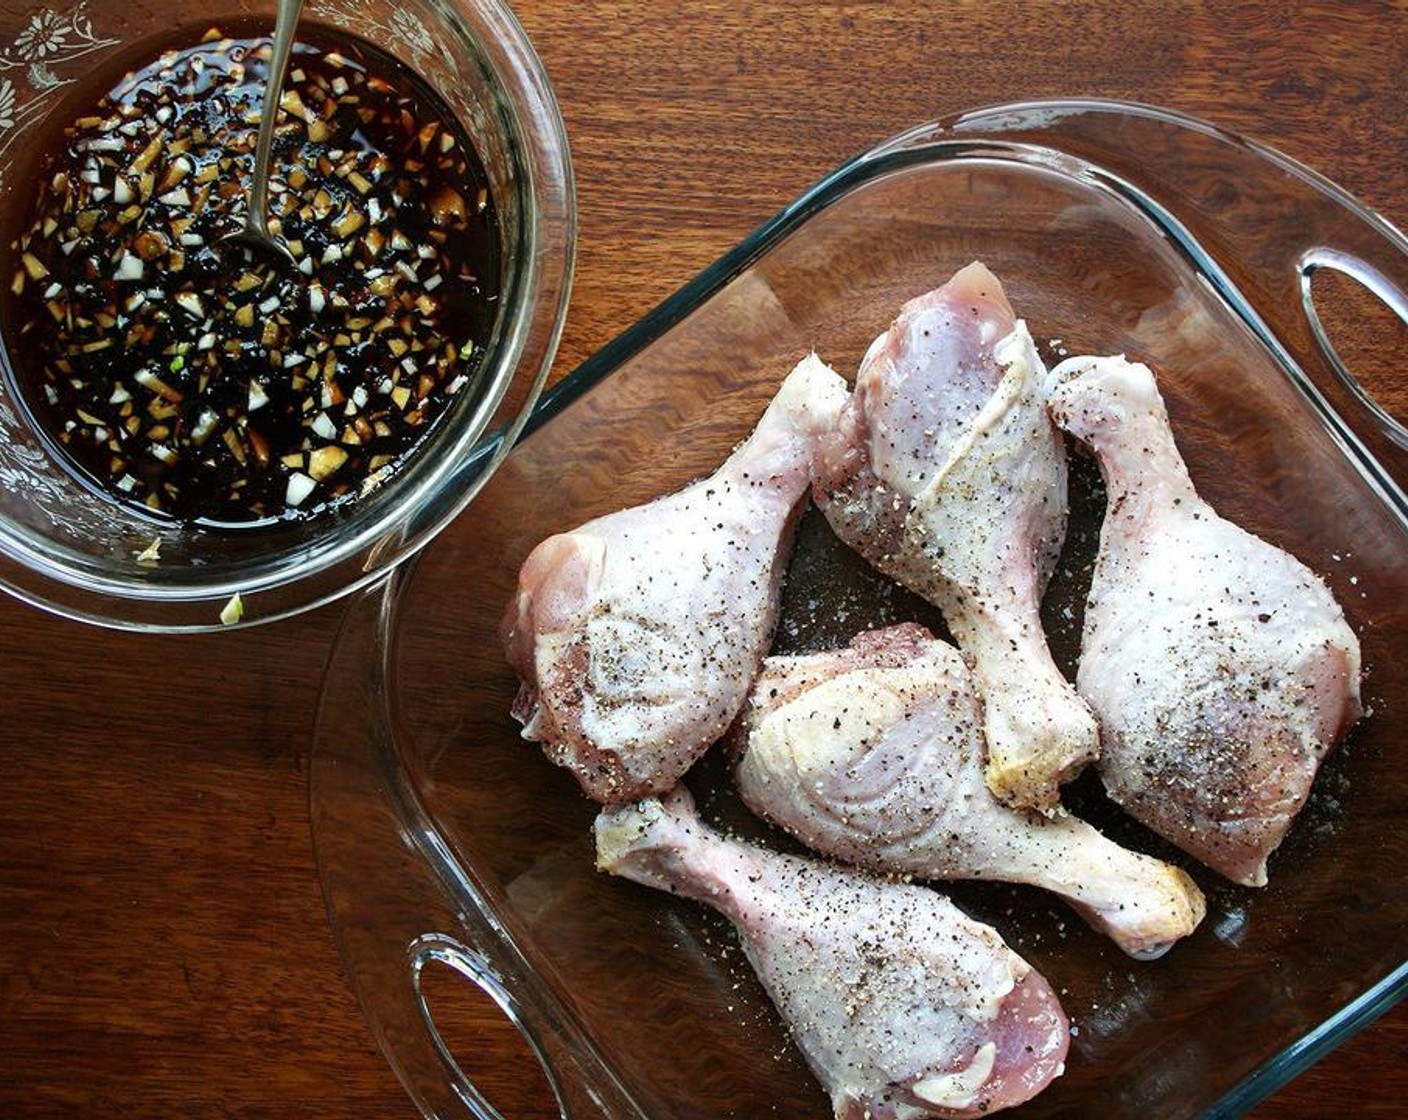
{"points": [[1221, 667], [637, 635], [903, 1006], [874, 754], [947, 475]]}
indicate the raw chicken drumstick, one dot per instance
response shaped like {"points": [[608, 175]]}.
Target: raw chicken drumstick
{"points": [[637, 635], [947, 475], [874, 754], [903, 1006], [1221, 668]]}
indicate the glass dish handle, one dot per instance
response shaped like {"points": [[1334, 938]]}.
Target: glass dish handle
{"points": [[1390, 294], [387, 874]]}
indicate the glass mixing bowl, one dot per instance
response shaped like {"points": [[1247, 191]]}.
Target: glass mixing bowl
{"points": [[66, 547]]}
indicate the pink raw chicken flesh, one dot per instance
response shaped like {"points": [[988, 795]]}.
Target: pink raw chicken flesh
{"points": [[874, 754], [947, 475], [1221, 668], [903, 1006], [637, 635]]}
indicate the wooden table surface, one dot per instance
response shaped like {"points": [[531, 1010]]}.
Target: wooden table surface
{"points": [[163, 948]]}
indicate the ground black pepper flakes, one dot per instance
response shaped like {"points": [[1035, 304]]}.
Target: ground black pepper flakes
{"points": [[203, 385]]}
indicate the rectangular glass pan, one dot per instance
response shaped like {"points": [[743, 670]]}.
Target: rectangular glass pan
{"points": [[444, 837]]}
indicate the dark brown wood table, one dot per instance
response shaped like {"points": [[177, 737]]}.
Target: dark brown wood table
{"points": [[163, 949]]}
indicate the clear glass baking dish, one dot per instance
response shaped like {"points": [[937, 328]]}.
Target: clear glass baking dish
{"points": [[442, 837]]}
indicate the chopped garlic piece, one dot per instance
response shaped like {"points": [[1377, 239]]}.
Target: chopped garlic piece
{"points": [[233, 611], [130, 267], [299, 487]]}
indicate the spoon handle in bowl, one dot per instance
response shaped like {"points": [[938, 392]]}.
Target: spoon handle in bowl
{"points": [[286, 24]]}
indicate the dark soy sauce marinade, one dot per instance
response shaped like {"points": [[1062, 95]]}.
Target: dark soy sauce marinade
{"points": [[199, 384]]}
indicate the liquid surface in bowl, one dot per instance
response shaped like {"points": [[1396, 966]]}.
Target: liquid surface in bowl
{"points": [[202, 384]]}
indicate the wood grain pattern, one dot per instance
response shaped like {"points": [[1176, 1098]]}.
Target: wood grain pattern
{"points": [[163, 950]]}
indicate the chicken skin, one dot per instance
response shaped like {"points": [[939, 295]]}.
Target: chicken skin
{"points": [[947, 475], [903, 1006], [874, 755], [1221, 668], [637, 635]]}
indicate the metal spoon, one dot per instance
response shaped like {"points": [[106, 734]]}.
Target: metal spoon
{"points": [[255, 235]]}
